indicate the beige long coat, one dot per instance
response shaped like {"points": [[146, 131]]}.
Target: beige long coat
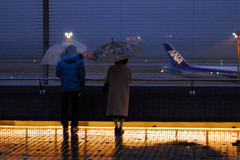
{"points": [[119, 77]]}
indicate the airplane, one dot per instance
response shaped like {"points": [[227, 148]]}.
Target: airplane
{"points": [[181, 67]]}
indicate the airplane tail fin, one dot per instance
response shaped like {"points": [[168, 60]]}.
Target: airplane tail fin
{"points": [[175, 58]]}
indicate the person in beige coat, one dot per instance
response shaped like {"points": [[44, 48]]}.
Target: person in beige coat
{"points": [[119, 77]]}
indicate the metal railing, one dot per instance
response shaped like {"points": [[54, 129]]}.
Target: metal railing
{"points": [[136, 79], [189, 82]]}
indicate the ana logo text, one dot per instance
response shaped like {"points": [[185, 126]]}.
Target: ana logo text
{"points": [[176, 56]]}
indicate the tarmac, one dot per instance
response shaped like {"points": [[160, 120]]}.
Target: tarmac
{"points": [[145, 72]]}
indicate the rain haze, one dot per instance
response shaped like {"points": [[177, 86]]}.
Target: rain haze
{"points": [[173, 110], [197, 28]]}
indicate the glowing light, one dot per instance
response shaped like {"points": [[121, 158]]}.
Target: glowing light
{"points": [[42, 138], [68, 35], [85, 54], [145, 60], [34, 60], [134, 39], [236, 35]]}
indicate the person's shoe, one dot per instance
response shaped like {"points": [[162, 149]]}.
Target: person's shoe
{"points": [[65, 130], [116, 130], [121, 131]]}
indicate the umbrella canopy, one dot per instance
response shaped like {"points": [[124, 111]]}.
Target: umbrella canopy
{"points": [[55, 52], [115, 51]]}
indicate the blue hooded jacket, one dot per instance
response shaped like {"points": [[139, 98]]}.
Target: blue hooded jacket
{"points": [[71, 70]]}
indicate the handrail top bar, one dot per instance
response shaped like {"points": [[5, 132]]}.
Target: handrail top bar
{"points": [[134, 79]]}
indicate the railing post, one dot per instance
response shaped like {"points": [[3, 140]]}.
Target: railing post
{"points": [[42, 91], [45, 36], [192, 91]]}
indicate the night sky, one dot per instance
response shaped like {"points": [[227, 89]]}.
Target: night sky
{"points": [[196, 28]]}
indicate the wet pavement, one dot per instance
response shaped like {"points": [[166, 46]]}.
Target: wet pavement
{"points": [[90, 143]]}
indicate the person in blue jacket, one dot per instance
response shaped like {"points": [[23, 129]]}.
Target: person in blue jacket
{"points": [[71, 70]]}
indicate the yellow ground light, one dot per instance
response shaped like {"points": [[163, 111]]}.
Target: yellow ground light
{"points": [[222, 125], [96, 140]]}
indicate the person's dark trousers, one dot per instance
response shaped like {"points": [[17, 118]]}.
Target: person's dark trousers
{"points": [[66, 98]]}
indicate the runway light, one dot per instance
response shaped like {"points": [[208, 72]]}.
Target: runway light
{"points": [[221, 62]]}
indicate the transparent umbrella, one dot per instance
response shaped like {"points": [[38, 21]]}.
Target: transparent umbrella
{"points": [[53, 54], [115, 51]]}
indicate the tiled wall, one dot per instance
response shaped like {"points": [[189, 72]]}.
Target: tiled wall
{"points": [[146, 104]]}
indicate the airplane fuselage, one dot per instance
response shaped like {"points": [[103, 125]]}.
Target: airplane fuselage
{"points": [[181, 67], [202, 72]]}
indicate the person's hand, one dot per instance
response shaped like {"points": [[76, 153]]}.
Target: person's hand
{"points": [[79, 94]]}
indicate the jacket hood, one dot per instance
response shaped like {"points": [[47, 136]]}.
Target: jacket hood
{"points": [[70, 58]]}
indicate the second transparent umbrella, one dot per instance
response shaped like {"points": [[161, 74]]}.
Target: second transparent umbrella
{"points": [[115, 51]]}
